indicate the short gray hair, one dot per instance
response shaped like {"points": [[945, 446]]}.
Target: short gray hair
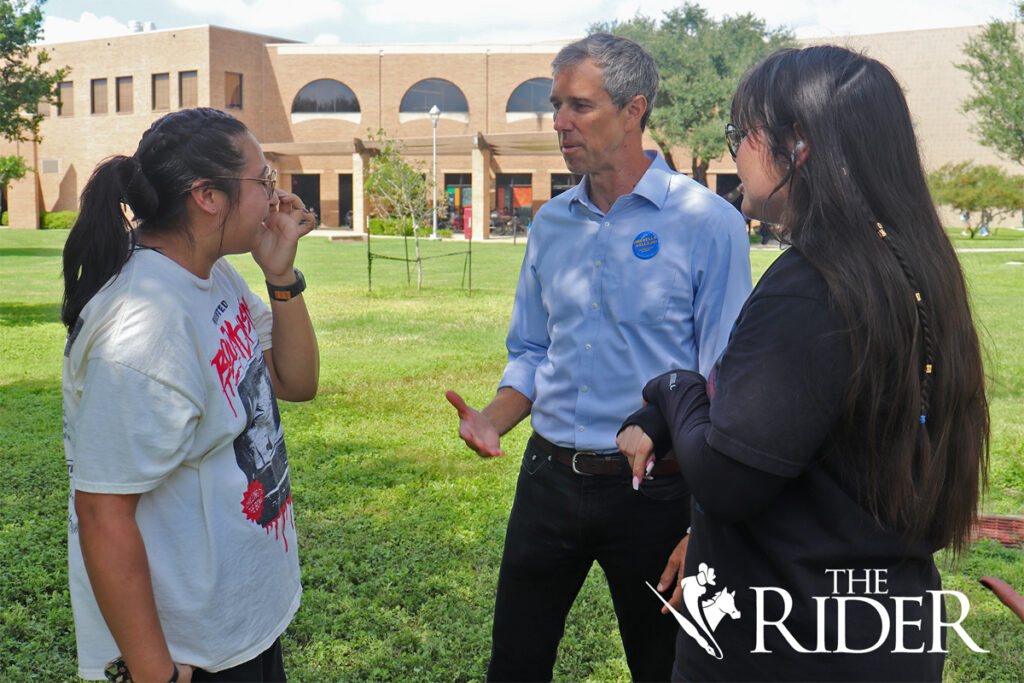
{"points": [[628, 68]]}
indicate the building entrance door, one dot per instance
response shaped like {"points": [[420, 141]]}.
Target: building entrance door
{"points": [[307, 186]]}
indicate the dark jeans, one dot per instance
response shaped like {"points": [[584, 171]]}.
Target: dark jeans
{"points": [[561, 522], [267, 667]]}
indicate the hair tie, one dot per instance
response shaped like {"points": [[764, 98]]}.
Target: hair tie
{"points": [[139, 193]]}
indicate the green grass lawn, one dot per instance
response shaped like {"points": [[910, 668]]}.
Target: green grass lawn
{"points": [[400, 525]]}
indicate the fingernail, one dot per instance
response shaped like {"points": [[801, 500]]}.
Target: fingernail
{"points": [[660, 588], [650, 466], [636, 483]]}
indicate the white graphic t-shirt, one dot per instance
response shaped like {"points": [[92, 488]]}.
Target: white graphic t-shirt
{"points": [[166, 394]]}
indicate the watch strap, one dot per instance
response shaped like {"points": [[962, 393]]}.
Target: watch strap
{"points": [[278, 293]]}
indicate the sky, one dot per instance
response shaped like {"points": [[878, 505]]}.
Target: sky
{"points": [[492, 21]]}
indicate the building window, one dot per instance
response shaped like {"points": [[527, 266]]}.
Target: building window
{"points": [[123, 96], [325, 96], [99, 96], [65, 98], [418, 100], [161, 92], [532, 97], [560, 182], [233, 90], [188, 88], [513, 198]]}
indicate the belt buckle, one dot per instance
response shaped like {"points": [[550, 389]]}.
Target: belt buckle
{"points": [[574, 468]]}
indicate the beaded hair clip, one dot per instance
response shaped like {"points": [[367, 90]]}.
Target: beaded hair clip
{"points": [[922, 317]]}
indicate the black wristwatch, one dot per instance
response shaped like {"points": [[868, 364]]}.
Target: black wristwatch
{"points": [[289, 292]]}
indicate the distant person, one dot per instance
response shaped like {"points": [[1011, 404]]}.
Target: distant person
{"points": [[986, 219], [181, 533], [842, 437], [635, 270]]}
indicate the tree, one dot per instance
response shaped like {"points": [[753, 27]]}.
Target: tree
{"points": [[24, 82], [974, 188], [11, 168], [398, 190], [995, 68], [700, 61]]}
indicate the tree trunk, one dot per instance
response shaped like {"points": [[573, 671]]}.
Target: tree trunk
{"points": [[419, 261], [700, 171], [666, 152]]}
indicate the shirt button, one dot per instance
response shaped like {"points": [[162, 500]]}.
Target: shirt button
{"points": [[585, 388], [607, 224], [598, 263], [581, 429], [594, 305], [587, 347]]}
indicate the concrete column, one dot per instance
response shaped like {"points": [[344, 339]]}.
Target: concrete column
{"points": [[25, 196], [23, 202], [329, 198], [360, 202], [482, 182]]}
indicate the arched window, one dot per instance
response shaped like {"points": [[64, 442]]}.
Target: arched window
{"points": [[531, 100], [325, 98], [531, 97], [418, 100]]}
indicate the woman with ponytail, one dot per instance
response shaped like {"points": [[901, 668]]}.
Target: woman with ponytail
{"points": [[842, 437], [181, 535]]}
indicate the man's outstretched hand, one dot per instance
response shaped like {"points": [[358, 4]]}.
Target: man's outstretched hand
{"points": [[475, 429]]}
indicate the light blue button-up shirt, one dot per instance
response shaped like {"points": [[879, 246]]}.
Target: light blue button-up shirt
{"points": [[605, 302]]}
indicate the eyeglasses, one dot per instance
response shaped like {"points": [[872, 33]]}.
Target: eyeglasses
{"points": [[270, 180], [734, 137]]}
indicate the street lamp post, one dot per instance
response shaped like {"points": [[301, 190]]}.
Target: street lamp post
{"points": [[435, 114]]}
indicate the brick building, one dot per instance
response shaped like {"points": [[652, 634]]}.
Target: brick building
{"points": [[314, 108]]}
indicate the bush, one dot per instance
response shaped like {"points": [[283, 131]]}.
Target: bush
{"points": [[57, 220], [3, 218], [400, 226]]}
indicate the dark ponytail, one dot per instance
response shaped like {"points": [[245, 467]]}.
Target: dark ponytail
{"points": [[177, 150]]}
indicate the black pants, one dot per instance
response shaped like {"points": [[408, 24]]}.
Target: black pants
{"points": [[267, 667], [561, 522]]}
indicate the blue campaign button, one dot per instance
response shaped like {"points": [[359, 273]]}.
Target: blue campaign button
{"points": [[645, 245]]}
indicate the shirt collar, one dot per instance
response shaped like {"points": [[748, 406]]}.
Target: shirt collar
{"points": [[653, 184]]}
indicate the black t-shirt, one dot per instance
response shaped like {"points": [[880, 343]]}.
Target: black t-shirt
{"points": [[788, 542]]}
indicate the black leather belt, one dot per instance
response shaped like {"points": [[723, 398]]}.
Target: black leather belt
{"points": [[590, 463]]}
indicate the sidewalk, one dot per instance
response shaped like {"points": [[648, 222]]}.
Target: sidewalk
{"points": [[342, 235]]}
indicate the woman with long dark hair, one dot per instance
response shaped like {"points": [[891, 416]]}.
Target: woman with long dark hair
{"points": [[181, 535], [842, 438]]}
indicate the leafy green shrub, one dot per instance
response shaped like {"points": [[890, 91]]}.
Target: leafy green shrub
{"points": [[57, 220], [3, 218], [399, 226]]}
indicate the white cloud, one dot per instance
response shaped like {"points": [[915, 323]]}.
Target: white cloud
{"points": [[326, 39], [265, 16], [482, 16], [88, 26]]}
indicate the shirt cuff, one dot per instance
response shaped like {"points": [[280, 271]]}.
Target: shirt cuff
{"points": [[649, 419], [520, 377]]}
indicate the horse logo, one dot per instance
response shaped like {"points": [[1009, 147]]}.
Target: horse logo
{"points": [[704, 615]]}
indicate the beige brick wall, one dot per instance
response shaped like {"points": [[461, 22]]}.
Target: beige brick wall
{"points": [[274, 71]]}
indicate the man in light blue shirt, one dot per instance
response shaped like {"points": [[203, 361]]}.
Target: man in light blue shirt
{"points": [[635, 271]]}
